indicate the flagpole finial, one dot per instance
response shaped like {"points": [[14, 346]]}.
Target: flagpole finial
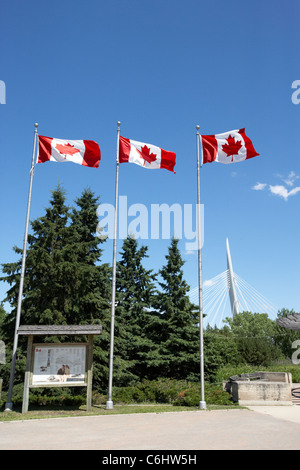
{"points": [[36, 125], [119, 123], [197, 127]]}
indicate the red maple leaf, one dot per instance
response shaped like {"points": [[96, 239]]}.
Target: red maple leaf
{"points": [[66, 149], [232, 147], [146, 155]]}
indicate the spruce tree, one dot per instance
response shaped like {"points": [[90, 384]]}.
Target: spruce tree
{"points": [[93, 289], [46, 282], [135, 287], [47, 277], [64, 280], [180, 335]]}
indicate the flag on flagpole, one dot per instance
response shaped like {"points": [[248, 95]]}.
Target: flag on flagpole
{"points": [[146, 155], [230, 147], [83, 152]]}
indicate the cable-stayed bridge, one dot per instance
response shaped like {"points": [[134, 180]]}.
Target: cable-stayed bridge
{"points": [[228, 294]]}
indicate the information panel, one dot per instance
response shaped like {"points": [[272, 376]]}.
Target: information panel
{"points": [[61, 364]]}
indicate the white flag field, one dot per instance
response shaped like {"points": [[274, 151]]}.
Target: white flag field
{"points": [[146, 155]]}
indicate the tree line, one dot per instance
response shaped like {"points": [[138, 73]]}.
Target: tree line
{"points": [[156, 325]]}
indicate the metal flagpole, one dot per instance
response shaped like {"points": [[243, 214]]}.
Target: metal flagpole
{"points": [[109, 403], [8, 406], [202, 403]]}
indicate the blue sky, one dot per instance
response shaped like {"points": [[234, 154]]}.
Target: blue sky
{"points": [[161, 68]]}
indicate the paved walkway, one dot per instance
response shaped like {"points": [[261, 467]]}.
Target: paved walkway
{"points": [[258, 428], [287, 413]]}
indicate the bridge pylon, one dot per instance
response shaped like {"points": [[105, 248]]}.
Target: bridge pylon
{"points": [[235, 307]]}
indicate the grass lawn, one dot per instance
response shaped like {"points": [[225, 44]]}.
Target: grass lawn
{"points": [[55, 412]]}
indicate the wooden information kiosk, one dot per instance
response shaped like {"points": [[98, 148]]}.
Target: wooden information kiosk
{"points": [[59, 364]]}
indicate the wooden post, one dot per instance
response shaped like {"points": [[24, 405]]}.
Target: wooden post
{"points": [[89, 373], [27, 374]]}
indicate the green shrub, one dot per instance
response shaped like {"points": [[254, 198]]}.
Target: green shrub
{"points": [[214, 395], [153, 391], [128, 395], [46, 397], [57, 401], [98, 398], [188, 397], [164, 390], [176, 392]]}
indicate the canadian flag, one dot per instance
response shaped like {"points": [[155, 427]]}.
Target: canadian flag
{"points": [[146, 155], [230, 147], [83, 152]]}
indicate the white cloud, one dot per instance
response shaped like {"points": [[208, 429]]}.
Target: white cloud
{"points": [[292, 177], [279, 189], [282, 191], [259, 186]]}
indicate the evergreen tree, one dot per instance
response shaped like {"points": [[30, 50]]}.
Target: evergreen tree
{"points": [[2, 315], [46, 284], [134, 297], [93, 289], [64, 282], [47, 280], [180, 335]]}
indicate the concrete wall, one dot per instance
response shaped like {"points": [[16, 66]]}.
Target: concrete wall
{"points": [[259, 392], [276, 376]]}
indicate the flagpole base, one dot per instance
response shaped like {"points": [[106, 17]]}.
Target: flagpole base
{"points": [[202, 405], [109, 405], [8, 406]]}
